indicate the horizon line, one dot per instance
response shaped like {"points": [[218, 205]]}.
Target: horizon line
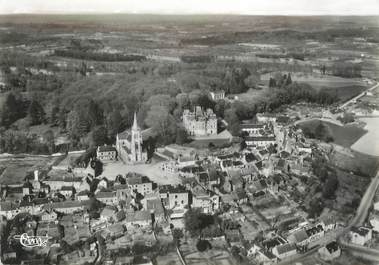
{"points": [[185, 14]]}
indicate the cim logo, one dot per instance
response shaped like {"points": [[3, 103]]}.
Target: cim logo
{"points": [[32, 241]]}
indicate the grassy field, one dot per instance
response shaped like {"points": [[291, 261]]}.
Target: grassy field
{"points": [[360, 163], [14, 170], [342, 135], [321, 81]]}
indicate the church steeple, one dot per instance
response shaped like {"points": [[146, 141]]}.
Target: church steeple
{"points": [[136, 142], [135, 125]]}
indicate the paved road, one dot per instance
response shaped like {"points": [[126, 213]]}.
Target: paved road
{"points": [[358, 97], [366, 202], [364, 252]]}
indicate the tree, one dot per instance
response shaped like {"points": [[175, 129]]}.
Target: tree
{"points": [[36, 114], [320, 131], [183, 101], [252, 80], [315, 207], [347, 117], [181, 135], [203, 245], [49, 140], [12, 110], [54, 115], [149, 146], [234, 80], [233, 121], [177, 234], [99, 136], [330, 187], [220, 107], [162, 122], [243, 145], [289, 79], [163, 101], [195, 221], [97, 166], [272, 82], [114, 123]]}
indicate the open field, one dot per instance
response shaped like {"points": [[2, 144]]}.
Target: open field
{"points": [[321, 81], [254, 95], [343, 88], [16, 169], [342, 135], [362, 164], [369, 143]]}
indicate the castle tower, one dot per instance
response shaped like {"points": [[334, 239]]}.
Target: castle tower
{"points": [[136, 142]]}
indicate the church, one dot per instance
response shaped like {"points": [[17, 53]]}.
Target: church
{"points": [[129, 144]]}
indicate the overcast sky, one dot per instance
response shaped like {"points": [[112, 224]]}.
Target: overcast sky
{"points": [[253, 7]]}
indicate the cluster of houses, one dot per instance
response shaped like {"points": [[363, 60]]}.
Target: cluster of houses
{"points": [[73, 205]]}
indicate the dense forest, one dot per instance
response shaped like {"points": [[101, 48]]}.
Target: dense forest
{"points": [[91, 109]]}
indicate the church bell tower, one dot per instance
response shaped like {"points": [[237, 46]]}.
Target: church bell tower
{"points": [[136, 142]]}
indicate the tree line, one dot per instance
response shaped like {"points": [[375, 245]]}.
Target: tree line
{"points": [[99, 56]]}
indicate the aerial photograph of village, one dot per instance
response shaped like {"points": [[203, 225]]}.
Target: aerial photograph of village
{"points": [[188, 139]]}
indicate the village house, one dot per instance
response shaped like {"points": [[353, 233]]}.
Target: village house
{"points": [[190, 171], [122, 192], [107, 197], [155, 207], [230, 164], [48, 216], [208, 202], [32, 207], [114, 230], [106, 153], [360, 235], [260, 141], [217, 95], [12, 194], [9, 209], [108, 214], [300, 238], [82, 195], [139, 183], [66, 207], [285, 250], [49, 229], [170, 167], [67, 191], [138, 219], [234, 181], [253, 129], [199, 122], [57, 178], [261, 255], [240, 196], [174, 197], [328, 223], [315, 232], [266, 117], [103, 184], [330, 251]]}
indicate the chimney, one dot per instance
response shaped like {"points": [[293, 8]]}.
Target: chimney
{"points": [[36, 173]]}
